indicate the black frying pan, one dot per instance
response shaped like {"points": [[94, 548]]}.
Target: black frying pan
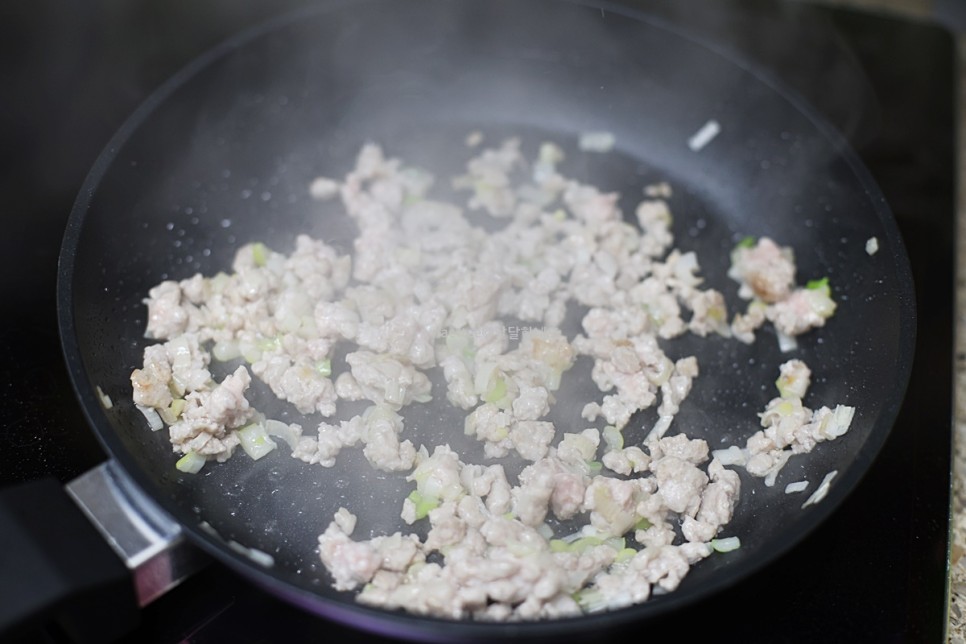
{"points": [[223, 153]]}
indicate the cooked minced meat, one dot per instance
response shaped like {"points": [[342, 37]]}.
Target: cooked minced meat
{"points": [[427, 293], [766, 274], [789, 427]]}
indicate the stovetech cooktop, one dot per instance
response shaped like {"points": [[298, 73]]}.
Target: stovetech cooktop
{"points": [[73, 71]]}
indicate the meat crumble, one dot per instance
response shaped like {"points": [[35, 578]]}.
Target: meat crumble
{"points": [[426, 293]]}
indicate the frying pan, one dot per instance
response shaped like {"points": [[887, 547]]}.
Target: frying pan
{"points": [[222, 155]]}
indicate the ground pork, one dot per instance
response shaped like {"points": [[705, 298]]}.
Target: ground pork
{"points": [[434, 299]]}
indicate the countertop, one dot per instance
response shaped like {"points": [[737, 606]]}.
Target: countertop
{"points": [[957, 573]]}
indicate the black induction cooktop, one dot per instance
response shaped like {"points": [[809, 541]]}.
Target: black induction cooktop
{"points": [[875, 572]]}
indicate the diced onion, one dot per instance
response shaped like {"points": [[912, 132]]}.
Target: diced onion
{"points": [[226, 350], [151, 414], [704, 136], [191, 463], [106, 401], [582, 543], [663, 372], [840, 421], [786, 343], [820, 301], [660, 427], [171, 413], [323, 188], [550, 153], [726, 545], [733, 455], [596, 141], [613, 438], [591, 600], [250, 350], [258, 556], [685, 267], [662, 190], [219, 282], [822, 490], [797, 486], [473, 139], [255, 441], [791, 384], [288, 433]]}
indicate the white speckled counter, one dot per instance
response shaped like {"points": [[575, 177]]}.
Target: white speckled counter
{"points": [[957, 572]]}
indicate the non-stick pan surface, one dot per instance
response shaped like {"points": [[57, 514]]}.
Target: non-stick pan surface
{"points": [[222, 156]]}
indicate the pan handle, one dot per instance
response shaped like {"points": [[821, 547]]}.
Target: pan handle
{"points": [[85, 558]]}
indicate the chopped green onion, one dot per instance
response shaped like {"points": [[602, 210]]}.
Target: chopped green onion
{"points": [[820, 298], [424, 503], [191, 462], [814, 285], [643, 524], [625, 555], [594, 466], [324, 368], [259, 253], [747, 242], [255, 441], [497, 389]]}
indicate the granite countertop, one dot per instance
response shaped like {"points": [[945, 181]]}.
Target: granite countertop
{"points": [[957, 563]]}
